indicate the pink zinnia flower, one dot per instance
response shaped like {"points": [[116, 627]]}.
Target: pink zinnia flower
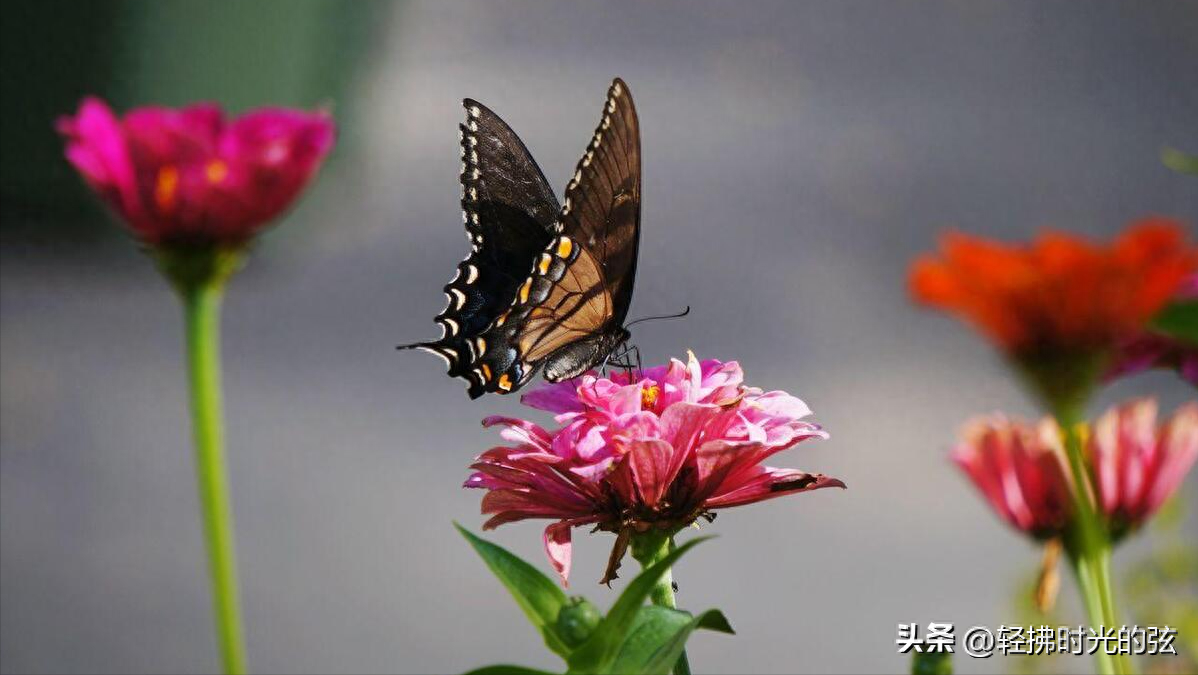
{"points": [[1021, 470], [657, 451], [188, 176], [1136, 465]]}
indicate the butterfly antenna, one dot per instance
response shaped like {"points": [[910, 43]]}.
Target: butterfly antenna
{"points": [[679, 315]]}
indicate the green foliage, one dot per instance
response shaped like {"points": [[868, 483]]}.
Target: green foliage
{"points": [[540, 598], [932, 663], [1178, 320], [657, 637], [632, 638], [506, 669], [1179, 161]]}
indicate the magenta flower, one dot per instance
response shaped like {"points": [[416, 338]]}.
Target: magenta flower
{"points": [[188, 176], [1152, 349], [1136, 465], [1021, 471], [654, 452]]}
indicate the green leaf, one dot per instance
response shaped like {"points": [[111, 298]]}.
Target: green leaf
{"points": [[597, 653], [538, 595], [658, 636], [1178, 320], [1179, 161], [505, 669], [932, 663]]}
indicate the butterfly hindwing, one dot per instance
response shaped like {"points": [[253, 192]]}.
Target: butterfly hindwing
{"points": [[509, 212]]}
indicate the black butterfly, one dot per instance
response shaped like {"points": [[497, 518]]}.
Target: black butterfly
{"points": [[545, 286]]}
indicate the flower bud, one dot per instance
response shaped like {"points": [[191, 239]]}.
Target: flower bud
{"points": [[576, 621]]}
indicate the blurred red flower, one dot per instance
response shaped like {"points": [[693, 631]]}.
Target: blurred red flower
{"points": [[1060, 294], [654, 452], [187, 176]]}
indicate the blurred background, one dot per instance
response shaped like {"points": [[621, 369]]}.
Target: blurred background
{"points": [[796, 157]]}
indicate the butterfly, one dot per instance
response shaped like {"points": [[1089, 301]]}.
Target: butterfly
{"points": [[546, 286]]}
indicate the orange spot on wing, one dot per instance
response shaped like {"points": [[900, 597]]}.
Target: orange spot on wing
{"points": [[564, 246]]}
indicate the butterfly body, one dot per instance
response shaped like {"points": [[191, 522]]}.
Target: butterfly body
{"points": [[545, 286]]}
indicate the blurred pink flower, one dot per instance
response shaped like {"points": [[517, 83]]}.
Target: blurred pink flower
{"points": [[655, 451], [1136, 465], [1156, 350], [188, 176], [1021, 470]]}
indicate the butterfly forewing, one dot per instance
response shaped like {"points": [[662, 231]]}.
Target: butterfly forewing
{"points": [[602, 207]]}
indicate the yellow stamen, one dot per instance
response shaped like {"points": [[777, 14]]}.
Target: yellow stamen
{"points": [[216, 171], [649, 396], [166, 185]]}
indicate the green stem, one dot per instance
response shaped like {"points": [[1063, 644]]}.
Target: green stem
{"points": [[201, 301], [648, 548], [1088, 545]]}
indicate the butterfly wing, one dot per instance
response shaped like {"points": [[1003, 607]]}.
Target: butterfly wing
{"points": [[510, 216], [567, 314], [602, 208]]}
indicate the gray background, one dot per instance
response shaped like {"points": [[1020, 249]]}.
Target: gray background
{"points": [[796, 157]]}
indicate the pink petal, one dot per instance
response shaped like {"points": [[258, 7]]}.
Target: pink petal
{"points": [[1179, 445], [651, 464], [767, 483], [561, 397], [521, 431], [558, 549]]}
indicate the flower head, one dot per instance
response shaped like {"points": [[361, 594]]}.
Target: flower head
{"points": [[1021, 470], [634, 454], [1060, 299], [189, 176], [1135, 464]]}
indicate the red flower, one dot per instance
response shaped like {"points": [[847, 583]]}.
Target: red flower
{"points": [[1022, 472], [1061, 294], [657, 452], [1135, 465], [187, 176]]}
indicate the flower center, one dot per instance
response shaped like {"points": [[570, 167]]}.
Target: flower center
{"points": [[215, 171], [166, 185], [649, 396]]}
